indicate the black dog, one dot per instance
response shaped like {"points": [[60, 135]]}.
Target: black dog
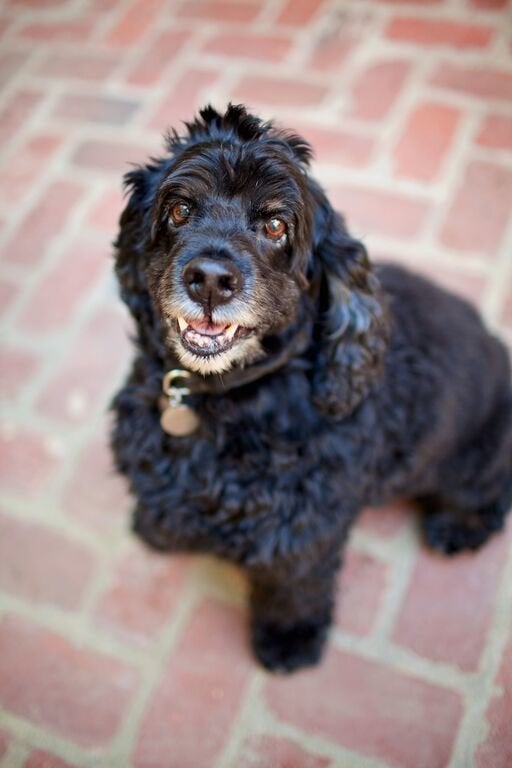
{"points": [[308, 383]]}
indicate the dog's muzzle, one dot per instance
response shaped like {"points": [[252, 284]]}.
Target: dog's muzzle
{"points": [[205, 338], [212, 282]]}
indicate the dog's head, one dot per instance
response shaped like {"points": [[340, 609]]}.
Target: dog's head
{"points": [[220, 240]]}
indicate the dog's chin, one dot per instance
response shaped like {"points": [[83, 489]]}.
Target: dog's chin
{"points": [[205, 349]]}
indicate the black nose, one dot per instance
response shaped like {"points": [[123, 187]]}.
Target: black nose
{"points": [[211, 281]]}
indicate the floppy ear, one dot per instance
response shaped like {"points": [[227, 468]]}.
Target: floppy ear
{"points": [[353, 326], [132, 243]]}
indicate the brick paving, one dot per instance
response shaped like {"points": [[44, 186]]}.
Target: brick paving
{"points": [[115, 657]]}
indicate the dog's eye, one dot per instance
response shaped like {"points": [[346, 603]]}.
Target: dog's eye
{"points": [[180, 213], [275, 229]]}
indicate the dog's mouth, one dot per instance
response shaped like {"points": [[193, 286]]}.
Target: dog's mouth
{"points": [[206, 339]]}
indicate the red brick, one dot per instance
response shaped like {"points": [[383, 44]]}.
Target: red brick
{"points": [[78, 693], [482, 82], [456, 34], [111, 157], [489, 5], [496, 132], [252, 46], [199, 693], [107, 110], [449, 604], [25, 167], [481, 209], [143, 592], [16, 112], [275, 751], [361, 589], [138, 18], [44, 221], [338, 147], [371, 709], [386, 521], [41, 759], [4, 743], [5, 25], [17, 367], [76, 274], [158, 58], [188, 94], [331, 52], [299, 11], [53, 569], [409, 2], [218, 10], [278, 91], [377, 88], [102, 5], [95, 495], [386, 213], [90, 371], [425, 140], [56, 32], [496, 750], [37, 4], [76, 66], [466, 284], [104, 215], [506, 317], [469, 286], [27, 463]]}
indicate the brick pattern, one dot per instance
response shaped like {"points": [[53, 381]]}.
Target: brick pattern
{"points": [[113, 655], [400, 734]]}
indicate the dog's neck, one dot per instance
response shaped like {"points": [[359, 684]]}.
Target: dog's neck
{"points": [[280, 353]]}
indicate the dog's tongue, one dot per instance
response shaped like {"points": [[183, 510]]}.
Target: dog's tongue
{"points": [[206, 328]]}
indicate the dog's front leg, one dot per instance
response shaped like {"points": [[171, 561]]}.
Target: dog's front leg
{"points": [[292, 603]]}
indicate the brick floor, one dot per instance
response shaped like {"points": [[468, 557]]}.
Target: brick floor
{"points": [[115, 657]]}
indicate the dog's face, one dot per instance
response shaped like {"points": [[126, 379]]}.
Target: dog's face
{"points": [[231, 230], [230, 248]]}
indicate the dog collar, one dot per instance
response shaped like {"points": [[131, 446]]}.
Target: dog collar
{"points": [[179, 419]]}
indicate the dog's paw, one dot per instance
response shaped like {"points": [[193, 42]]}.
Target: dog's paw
{"points": [[450, 535], [285, 649]]}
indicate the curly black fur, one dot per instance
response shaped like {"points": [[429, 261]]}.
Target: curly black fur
{"points": [[400, 390]]}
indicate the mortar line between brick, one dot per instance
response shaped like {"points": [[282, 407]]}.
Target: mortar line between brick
{"points": [[254, 719], [245, 722], [341, 757], [49, 92], [401, 567], [126, 737], [75, 627], [41, 737], [16, 754], [459, 156], [500, 280], [155, 94], [402, 660], [474, 726]]}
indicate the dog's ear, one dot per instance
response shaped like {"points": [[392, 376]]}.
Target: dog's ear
{"points": [[133, 238], [353, 326]]}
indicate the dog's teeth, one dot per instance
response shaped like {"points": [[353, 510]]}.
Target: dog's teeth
{"points": [[182, 323], [231, 330]]}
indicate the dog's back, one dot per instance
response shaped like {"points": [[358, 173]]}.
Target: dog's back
{"points": [[460, 415]]}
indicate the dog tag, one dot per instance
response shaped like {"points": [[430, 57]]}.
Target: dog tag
{"points": [[179, 420]]}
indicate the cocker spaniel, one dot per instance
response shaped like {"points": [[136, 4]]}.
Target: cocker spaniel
{"points": [[281, 382]]}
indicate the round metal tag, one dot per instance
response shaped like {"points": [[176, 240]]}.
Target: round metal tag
{"points": [[179, 420]]}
